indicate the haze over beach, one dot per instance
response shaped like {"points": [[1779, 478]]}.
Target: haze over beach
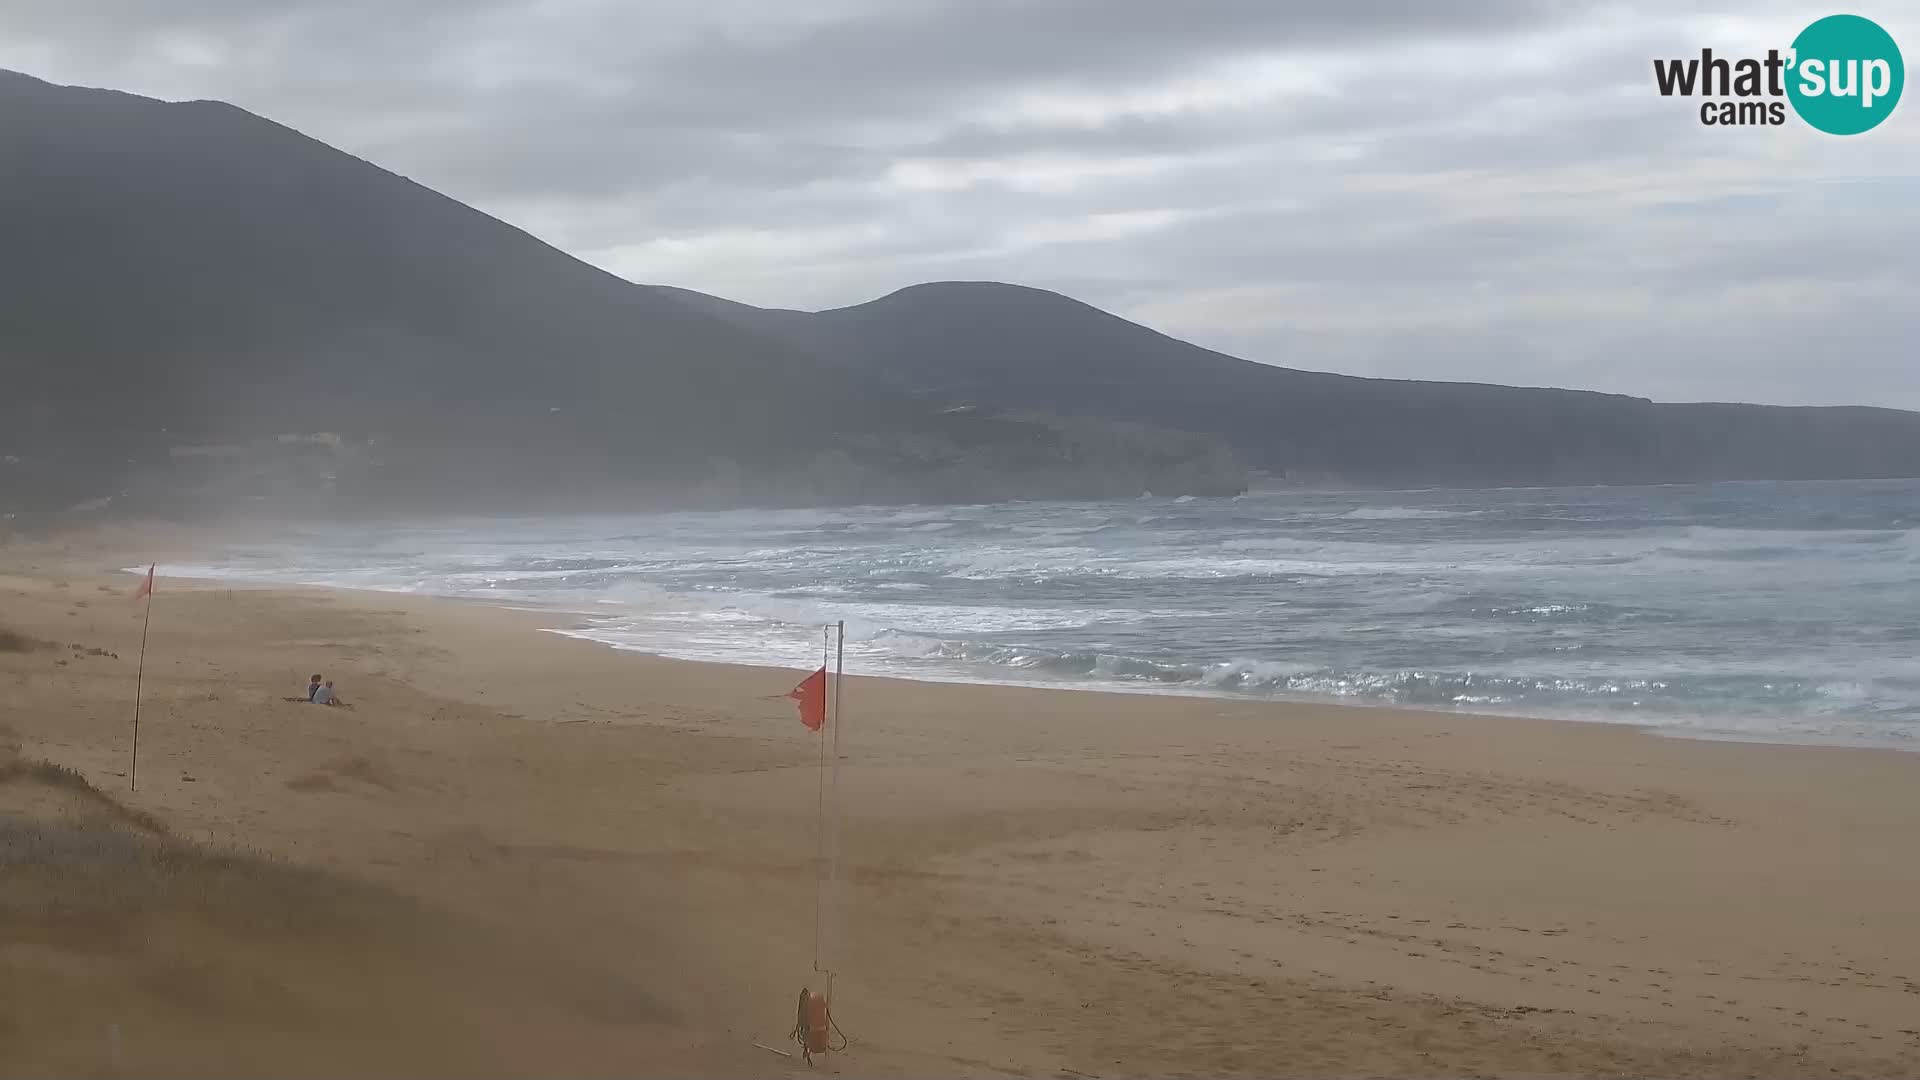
{"points": [[1369, 541]]}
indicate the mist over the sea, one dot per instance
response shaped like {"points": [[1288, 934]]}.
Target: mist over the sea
{"points": [[1763, 611]]}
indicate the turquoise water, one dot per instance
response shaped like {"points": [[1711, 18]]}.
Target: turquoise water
{"points": [[1762, 611]]}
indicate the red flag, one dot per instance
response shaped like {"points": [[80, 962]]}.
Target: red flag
{"points": [[812, 696], [146, 587]]}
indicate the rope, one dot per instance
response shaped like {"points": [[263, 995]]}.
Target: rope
{"points": [[835, 1025], [799, 1032]]}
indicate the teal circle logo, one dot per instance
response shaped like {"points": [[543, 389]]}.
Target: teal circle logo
{"points": [[1847, 75]]}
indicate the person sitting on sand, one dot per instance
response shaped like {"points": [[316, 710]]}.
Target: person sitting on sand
{"points": [[325, 695], [313, 687]]}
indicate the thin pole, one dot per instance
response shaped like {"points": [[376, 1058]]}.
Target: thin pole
{"points": [[833, 864], [820, 825], [139, 680], [839, 673]]}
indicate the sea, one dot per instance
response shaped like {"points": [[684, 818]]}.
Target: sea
{"points": [[1774, 612]]}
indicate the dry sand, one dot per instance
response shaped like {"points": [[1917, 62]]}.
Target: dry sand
{"points": [[539, 856]]}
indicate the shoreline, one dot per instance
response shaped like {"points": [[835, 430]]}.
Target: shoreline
{"points": [[1653, 728], [1342, 889], [401, 600]]}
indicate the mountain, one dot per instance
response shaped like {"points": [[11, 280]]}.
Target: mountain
{"points": [[1011, 347], [194, 293], [202, 304]]}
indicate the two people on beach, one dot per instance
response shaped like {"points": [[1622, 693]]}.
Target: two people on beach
{"points": [[321, 692]]}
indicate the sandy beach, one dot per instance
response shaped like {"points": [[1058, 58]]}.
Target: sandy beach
{"points": [[522, 854]]}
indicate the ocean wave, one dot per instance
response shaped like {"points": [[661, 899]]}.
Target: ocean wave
{"points": [[1548, 609], [1406, 513], [1095, 565], [872, 619], [489, 578], [1714, 544], [1421, 686], [1477, 608], [1723, 608]]}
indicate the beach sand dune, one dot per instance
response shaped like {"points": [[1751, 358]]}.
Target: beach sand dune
{"points": [[524, 854]]}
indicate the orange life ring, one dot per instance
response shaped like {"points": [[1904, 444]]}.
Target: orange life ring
{"points": [[813, 1016]]}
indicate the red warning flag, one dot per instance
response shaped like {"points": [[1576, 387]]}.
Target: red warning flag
{"points": [[146, 587], [812, 696]]}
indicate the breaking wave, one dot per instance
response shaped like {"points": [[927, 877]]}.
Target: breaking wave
{"points": [[1756, 611]]}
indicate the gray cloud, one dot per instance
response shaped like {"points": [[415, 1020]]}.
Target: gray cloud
{"points": [[1486, 190]]}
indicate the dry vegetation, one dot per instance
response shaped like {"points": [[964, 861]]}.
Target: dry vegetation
{"points": [[83, 805], [125, 950], [74, 857]]}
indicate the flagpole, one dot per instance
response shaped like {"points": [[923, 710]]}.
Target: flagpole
{"points": [[820, 824], [833, 864], [139, 680]]}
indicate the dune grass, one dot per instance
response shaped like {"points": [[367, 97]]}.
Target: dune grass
{"points": [[104, 808], [98, 860], [237, 963]]}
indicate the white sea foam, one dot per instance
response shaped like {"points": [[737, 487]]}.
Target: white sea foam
{"points": [[1405, 513], [1788, 612]]}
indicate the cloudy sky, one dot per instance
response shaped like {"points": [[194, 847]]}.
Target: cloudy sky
{"points": [[1475, 189]]}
